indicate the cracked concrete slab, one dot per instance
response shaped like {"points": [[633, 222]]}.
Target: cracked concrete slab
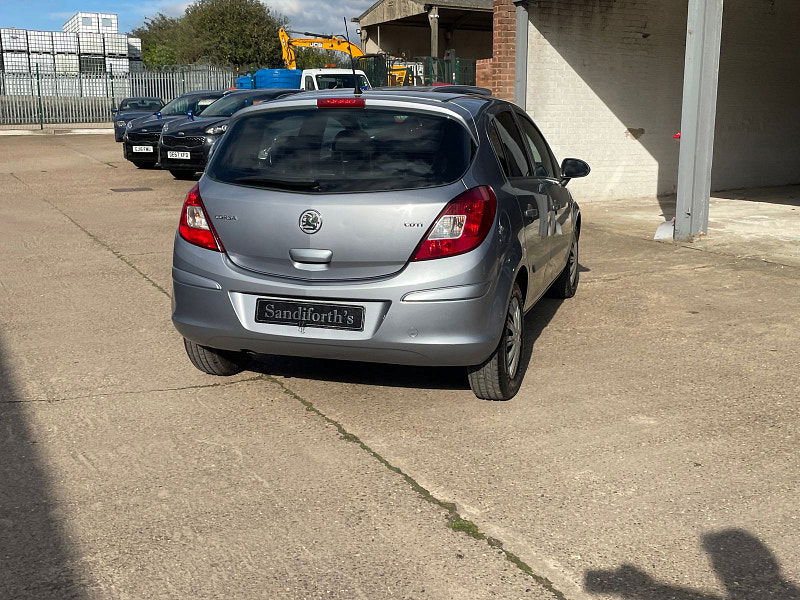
{"points": [[128, 474]]}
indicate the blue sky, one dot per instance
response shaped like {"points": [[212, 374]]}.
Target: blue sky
{"points": [[319, 16]]}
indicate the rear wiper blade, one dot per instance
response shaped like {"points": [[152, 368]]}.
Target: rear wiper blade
{"points": [[294, 184]]}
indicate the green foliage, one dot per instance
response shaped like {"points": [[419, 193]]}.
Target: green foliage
{"points": [[236, 33], [160, 40], [314, 58]]}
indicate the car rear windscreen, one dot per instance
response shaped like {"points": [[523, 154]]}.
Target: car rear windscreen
{"points": [[334, 81], [342, 150], [142, 104]]}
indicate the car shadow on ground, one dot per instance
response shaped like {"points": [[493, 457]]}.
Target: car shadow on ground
{"points": [[746, 567], [37, 562], [428, 378]]}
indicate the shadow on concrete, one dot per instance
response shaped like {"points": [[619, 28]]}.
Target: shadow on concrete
{"points": [[426, 378], [788, 195], [746, 567], [36, 561]]}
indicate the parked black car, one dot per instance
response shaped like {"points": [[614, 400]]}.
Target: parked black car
{"points": [[133, 108], [140, 143], [185, 143]]}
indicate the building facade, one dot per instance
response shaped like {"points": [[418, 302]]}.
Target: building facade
{"points": [[613, 82]]}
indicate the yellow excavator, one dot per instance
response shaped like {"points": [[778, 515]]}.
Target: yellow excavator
{"points": [[319, 41], [397, 74]]}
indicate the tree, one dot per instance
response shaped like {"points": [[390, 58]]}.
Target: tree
{"points": [[240, 33], [314, 58], [233, 33], [161, 40]]}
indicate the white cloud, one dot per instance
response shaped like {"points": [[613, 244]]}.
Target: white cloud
{"points": [[61, 16], [134, 14], [320, 16]]}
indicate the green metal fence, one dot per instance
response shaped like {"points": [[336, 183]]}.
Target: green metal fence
{"points": [[455, 70], [375, 68]]}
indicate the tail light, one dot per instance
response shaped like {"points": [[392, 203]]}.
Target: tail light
{"points": [[461, 226], [195, 226], [341, 103]]}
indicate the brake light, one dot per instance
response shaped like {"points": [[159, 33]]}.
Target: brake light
{"points": [[461, 226], [341, 103], [194, 226]]}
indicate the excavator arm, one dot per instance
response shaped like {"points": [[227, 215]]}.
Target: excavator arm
{"points": [[320, 41], [287, 50]]}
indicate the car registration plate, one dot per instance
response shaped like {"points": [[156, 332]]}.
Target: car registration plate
{"points": [[142, 148], [173, 154], [310, 314]]}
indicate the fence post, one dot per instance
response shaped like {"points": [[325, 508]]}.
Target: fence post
{"points": [[39, 93]]}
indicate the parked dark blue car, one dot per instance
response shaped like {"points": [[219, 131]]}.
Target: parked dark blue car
{"points": [[185, 143], [133, 108], [140, 142]]}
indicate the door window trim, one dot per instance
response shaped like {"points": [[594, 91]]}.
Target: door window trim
{"points": [[492, 123]]}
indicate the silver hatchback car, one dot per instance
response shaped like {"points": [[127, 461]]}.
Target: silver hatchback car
{"points": [[405, 227]]}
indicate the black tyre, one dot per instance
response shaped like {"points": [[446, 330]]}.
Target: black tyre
{"points": [[140, 164], [182, 174], [216, 362], [501, 375], [567, 283]]}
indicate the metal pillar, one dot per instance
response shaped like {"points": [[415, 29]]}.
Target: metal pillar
{"points": [[701, 76], [433, 19], [521, 55]]}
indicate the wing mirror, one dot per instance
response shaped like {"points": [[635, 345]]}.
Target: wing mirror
{"points": [[190, 114], [114, 111], [572, 168]]}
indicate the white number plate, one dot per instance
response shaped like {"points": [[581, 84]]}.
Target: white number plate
{"points": [[173, 154], [142, 148]]}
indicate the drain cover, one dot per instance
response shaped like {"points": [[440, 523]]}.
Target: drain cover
{"points": [[142, 189]]}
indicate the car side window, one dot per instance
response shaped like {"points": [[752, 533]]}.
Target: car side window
{"points": [[309, 85], [201, 104], [543, 166], [511, 151], [497, 146]]}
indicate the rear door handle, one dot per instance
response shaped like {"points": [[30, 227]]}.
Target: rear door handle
{"points": [[311, 255]]}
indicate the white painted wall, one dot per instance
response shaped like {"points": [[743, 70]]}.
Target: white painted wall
{"points": [[605, 81], [604, 85]]}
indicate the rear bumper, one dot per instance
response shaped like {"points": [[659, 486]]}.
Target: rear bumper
{"points": [[454, 319]]}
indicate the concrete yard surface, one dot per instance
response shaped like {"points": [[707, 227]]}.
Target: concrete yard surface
{"points": [[651, 453], [761, 223]]}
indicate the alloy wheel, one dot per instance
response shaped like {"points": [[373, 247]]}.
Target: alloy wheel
{"points": [[573, 262], [513, 337]]}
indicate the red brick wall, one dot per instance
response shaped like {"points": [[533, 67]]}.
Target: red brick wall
{"points": [[497, 73]]}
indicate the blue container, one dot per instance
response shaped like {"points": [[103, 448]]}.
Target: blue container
{"points": [[278, 78], [245, 82]]}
